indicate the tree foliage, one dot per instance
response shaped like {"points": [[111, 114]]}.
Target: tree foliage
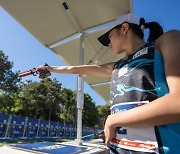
{"points": [[9, 84], [46, 99], [103, 112], [90, 114], [8, 79]]}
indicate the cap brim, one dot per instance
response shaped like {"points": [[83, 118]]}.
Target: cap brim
{"points": [[104, 39]]}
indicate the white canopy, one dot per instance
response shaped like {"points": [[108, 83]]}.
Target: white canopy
{"points": [[57, 24]]}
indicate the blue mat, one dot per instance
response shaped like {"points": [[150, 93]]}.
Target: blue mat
{"points": [[51, 147]]}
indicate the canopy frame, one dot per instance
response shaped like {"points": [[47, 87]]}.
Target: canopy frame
{"points": [[80, 33]]}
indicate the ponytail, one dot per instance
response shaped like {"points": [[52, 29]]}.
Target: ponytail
{"points": [[155, 30]]}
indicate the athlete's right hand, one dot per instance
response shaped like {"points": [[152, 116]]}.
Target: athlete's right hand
{"points": [[101, 135], [43, 71]]}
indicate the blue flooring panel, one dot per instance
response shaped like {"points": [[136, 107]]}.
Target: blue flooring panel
{"points": [[51, 147]]}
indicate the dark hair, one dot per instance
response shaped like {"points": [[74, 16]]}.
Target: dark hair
{"points": [[155, 29], [137, 30]]}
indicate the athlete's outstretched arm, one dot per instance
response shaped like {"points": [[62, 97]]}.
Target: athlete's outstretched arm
{"points": [[164, 110], [104, 70]]}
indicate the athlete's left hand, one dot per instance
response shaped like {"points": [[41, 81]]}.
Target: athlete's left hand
{"points": [[109, 130]]}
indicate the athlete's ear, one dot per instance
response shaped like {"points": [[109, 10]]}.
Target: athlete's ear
{"points": [[125, 27]]}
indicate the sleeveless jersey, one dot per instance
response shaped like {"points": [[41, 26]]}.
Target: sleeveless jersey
{"points": [[136, 81]]}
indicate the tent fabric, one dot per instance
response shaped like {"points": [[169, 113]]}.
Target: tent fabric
{"points": [[49, 22]]}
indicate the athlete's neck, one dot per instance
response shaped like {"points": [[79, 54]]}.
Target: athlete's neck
{"points": [[134, 46]]}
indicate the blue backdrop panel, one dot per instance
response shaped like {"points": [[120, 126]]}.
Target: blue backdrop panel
{"points": [[32, 126], [83, 131], [53, 129], [43, 129], [67, 130], [17, 126], [3, 118], [73, 131], [3, 124], [2, 129], [35, 127], [61, 130]]}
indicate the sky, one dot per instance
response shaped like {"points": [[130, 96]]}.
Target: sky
{"points": [[26, 52]]}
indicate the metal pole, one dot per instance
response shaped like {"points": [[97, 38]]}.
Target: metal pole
{"points": [[50, 99], [49, 124], [80, 94], [25, 126], [37, 133], [57, 130], [76, 24], [8, 126]]}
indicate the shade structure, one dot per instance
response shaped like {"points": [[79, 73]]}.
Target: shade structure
{"points": [[57, 24]]}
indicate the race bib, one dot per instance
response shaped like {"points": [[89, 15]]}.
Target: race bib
{"points": [[134, 138]]}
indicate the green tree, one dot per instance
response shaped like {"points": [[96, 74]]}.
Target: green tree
{"points": [[90, 114], [103, 112], [6, 103], [45, 99], [9, 84], [68, 105], [39, 99], [8, 79]]}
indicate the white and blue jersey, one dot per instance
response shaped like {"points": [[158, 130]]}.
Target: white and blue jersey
{"points": [[136, 81]]}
